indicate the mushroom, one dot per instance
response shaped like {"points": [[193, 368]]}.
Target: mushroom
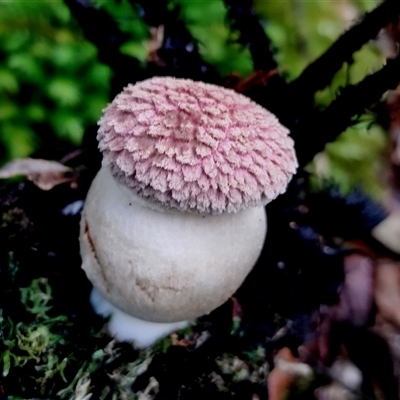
{"points": [[174, 220]]}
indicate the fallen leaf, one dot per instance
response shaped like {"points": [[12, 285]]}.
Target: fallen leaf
{"points": [[347, 374], [356, 303], [357, 294], [392, 338], [286, 371], [44, 174], [176, 341], [387, 322], [279, 384], [236, 308], [387, 232], [82, 390], [387, 291], [155, 44], [257, 78], [334, 391]]}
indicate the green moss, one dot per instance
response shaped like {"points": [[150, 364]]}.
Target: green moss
{"points": [[41, 351], [49, 78]]}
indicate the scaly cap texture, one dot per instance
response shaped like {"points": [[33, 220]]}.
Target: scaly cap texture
{"points": [[195, 146]]}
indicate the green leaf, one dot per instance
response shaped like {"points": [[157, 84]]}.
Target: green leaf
{"points": [[94, 108], [68, 126], [8, 81], [134, 49], [207, 25], [64, 91], [15, 40], [26, 66], [8, 110], [35, 112], [6, 363], [99, 76], [19, 140]]}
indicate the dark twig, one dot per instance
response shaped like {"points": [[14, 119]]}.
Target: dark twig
{"points": [[244, 20], [177, 54], [265, 85], [320, 73], [294, 103], [152, 12], [100, 29], [320, 128]]}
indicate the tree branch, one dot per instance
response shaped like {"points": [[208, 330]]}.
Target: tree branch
{"points": [[320, 128], [265, 86], [178, 54], [320, 73], [152, 12], [101, 30], [243, 19]]}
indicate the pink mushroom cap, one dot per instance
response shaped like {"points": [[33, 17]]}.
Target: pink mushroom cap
{"points": [[195, 146]]}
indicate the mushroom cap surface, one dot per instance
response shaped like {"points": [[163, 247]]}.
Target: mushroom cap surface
{"points": [[195, 146]]}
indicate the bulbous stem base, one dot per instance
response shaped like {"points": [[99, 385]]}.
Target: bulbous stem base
{"points": [[126, 328]]}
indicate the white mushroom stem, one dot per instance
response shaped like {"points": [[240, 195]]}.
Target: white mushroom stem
{"points": [[164, 265], [124, 327]]}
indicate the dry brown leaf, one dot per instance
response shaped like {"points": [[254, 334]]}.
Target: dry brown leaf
{"points": [[176, 341], [387, 297], [44, 174], [334, 391], [355, 307], [387, 291], [285, 373], [237, 310], [392, 338], [154, 44], [388, 231], [279, 384], [257, 78], [356, 297]]}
